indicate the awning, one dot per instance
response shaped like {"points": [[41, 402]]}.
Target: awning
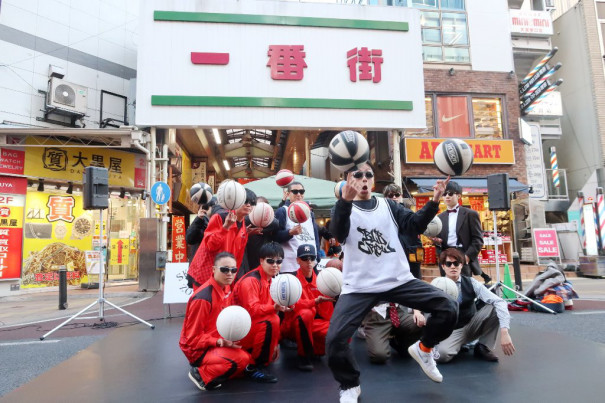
{"points": [[471, 185]]}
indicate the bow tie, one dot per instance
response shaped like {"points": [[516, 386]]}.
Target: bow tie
{"points": [[453, 210]]}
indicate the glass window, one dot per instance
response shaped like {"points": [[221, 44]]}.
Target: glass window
{"points": [[487, 118], [452, 4], [456, 55], [430, 124], [431, 35], [432, 53], [603, 33], [601, 10], [430, 19], [454, 29], [424, 3]]}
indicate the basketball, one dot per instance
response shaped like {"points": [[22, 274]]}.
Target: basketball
{"points": [[299, 212], [285, 289], [335, 263], [201, 193], [347, 150], [233, 323], [338, 189], [453, 157], [262, 215], [231, 195], [446, 285], [284, 177], [329, 281], [434, 228]]}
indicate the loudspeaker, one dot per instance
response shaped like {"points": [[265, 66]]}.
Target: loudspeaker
{"points": [[96, 188], [497, 192]]}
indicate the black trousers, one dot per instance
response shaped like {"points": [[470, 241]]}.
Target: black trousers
{"points": [[352, 308]]}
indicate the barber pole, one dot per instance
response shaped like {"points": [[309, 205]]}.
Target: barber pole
{"points": [[601, 214], [542, 96], [596, 225], [542, 80], [582, 229], [554, 165], [544, 60]]}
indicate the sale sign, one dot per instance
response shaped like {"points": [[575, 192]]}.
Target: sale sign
{"points": [[547, 244]]}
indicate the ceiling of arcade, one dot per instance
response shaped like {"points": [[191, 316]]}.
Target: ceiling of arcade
{"points": [[250, 153]]}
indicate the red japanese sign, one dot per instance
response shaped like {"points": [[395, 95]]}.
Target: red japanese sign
{"points": [[12, 161], [11, 185], [547, 244], [286, 62], [367, 61], [179, 246], [421, 201], [10, 263]]}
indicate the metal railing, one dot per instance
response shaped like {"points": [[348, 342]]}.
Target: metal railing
{"points": [[557, 192]]}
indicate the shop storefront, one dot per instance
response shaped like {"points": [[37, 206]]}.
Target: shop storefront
{"points": [[42, 221]]}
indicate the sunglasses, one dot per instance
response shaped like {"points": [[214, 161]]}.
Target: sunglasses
{"points": [[273, 261], [449, 193], [250, 202], [390, 196], [359, 174], [226, 269], [298, 191], [450, 264], [307, 258]]}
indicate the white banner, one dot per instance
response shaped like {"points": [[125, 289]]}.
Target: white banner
{"points": [[271, 64], [175, 284]]}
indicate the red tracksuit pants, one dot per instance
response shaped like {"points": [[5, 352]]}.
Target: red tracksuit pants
{"points": [[262, 340], [308, 332], [222, 363]]}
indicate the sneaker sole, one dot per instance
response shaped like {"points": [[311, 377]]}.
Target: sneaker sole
{"points": [[200, 387], [412, 353]]}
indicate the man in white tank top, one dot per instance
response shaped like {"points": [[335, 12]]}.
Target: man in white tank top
{"points": [[375, 269], [290, 234]]}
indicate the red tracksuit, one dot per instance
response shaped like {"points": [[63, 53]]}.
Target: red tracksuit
{"points": [[252, 293], [218, 239], [308, 323], [199, 335]]}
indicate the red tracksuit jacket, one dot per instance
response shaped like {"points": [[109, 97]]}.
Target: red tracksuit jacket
{"points": [[218, 239], [199, 332], [252, 293]]}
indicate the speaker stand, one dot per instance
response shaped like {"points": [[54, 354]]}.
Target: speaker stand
{"points": [[498, 286], [101, 300]]}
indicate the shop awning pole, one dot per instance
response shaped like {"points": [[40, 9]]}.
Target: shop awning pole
{"points": [[396, 158]]}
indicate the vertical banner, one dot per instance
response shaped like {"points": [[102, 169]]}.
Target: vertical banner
{"points": [[453, 116], [601, 216], [179, 246], [12, 202]]}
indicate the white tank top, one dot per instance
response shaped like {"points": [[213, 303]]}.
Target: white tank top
{"points": [[291, 247], [374, 259]]}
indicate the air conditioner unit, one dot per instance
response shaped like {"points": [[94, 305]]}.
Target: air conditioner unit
{"points": [[67, 97], [549, 4]]}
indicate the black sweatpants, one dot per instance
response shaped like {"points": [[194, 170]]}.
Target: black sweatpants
{"points": [[352, 308]]}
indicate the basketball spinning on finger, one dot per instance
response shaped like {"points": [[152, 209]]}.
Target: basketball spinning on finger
{"points": [[329, 281], [299, 212], [201, 193], [453, 157], [434, 228], [285, 289], [231, 195], [283, 178], [348, 150], [262, 215]]}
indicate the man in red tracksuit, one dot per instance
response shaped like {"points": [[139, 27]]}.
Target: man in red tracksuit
{"points": [[252, 293], [213, 359], [226, 232], [309, 320]]}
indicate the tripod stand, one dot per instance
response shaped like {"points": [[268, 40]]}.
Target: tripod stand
{"points": [[101, 300], [499, 285]]}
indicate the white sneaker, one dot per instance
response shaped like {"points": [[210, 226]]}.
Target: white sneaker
{"points": [[426, 361], [350, 395]]}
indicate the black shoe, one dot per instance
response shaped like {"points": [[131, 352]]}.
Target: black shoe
{"points": [[304, 364], [484, 353], [486, 279], [196, 378], [258, 375]]}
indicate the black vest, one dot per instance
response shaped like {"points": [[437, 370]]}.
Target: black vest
{"points": [[467, 308]]}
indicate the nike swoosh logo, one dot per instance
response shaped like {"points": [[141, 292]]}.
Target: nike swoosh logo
{"points": [[445, 120]]}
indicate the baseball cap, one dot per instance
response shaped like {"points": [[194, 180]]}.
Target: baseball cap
{"points": [[306, 250]]}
